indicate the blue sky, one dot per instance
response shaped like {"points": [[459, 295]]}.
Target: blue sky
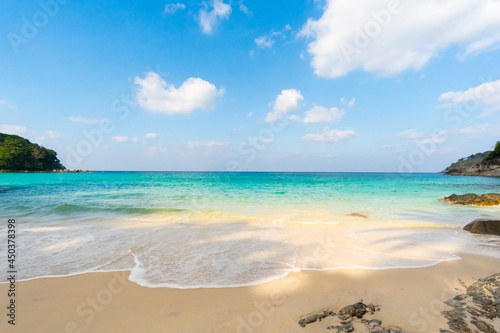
{"points": [[309, 85]]}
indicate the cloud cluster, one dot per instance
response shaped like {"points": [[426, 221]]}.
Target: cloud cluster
{"points": [[485, 96], [320, 114], [151, 136], [124, 139], [171, 8], [209, 19], [83, 120], [289, 100], [268, 40], [13, 129], [387, 38], [29, 134], [333, 135], [156, 96], [479, 131], [205, 144], [422, 138]]}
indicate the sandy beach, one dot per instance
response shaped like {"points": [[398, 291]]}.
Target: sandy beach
{"points": [[410, 299]]}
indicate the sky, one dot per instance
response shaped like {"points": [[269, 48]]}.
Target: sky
{"points": [[219, 85]]}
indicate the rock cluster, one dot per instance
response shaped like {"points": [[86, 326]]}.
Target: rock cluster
{"points": [[350, 317], [480, 304], [490, 199]]}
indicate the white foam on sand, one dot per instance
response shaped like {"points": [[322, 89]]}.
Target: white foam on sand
{"points": [[232, 252]]}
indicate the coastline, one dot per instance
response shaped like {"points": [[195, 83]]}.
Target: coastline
{"points": [[410, 298]]}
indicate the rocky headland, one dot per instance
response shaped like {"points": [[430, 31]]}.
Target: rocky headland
{"points": [[482, 164]]}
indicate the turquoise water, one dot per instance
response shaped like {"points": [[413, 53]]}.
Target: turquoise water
{"points": [[227, 229]]}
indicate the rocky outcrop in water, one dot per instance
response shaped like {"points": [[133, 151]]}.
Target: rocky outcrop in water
{"points": [[490, 199], [486, 227]]}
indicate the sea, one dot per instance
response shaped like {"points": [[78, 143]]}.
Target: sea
{"points": [[218, 229]]}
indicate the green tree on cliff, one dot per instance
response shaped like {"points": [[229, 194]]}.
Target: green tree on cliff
{"points": [[494, 154]]}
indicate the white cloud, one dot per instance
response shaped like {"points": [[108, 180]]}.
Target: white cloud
{"points": [[13, 129], [485, 96], [479, 131], [289, 100], [3, 102], [198, 144], [171, 8], [151, 136], [350, 103], [120, 139], [250, 114], [439, 137], [414, 136], [208, 20], [53, 135], [268, 40], [320, 114], [330, 136], [83, 120], [264, 41], [294, 117], [387, 38], [159, 148], [156, 96], [411, 135], [244, 8]]}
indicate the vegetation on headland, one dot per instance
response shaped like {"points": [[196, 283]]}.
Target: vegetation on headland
{"points": [[481, 164], [469, 161], [19, 154], [494, 154]]}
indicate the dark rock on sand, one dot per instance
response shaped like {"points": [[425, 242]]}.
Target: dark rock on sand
{"points": [[483, 226], [350, 316], [347, 328], [355, 310], [315, 317], [483, 326], [490, 199], [480, 303], [308, 320]]}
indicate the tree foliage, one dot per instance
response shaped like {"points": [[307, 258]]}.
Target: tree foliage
{"points": [[494, 154], [19, 154]]}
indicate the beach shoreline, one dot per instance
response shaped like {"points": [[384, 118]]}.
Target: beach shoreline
{"points": [[410, 299]]}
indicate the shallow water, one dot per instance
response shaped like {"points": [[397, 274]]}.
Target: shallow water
{"points": [[190, 230]]}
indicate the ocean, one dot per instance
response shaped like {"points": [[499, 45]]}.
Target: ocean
{"points": [[209, 229]]}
